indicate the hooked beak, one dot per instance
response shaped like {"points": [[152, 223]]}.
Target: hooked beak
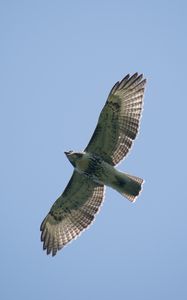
{"points": [[70, 157], [67, 152]]}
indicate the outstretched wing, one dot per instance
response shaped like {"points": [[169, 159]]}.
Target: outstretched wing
{"points": [[72, 212], [119, 120]]}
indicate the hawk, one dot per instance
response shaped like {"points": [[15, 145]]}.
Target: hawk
{"points": [[112, 139]]}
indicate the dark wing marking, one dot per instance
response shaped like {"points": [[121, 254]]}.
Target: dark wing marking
{"points": [[72, 212], [118, 122]]}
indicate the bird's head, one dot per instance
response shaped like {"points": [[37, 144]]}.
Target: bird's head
{"points": [[73, 156]]}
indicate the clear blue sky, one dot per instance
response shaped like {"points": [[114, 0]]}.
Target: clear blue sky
{"points": [[59, 60]]}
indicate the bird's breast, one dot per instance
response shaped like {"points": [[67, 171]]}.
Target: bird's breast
{"points": [[82, 164], [88, 164], [95, 168]]}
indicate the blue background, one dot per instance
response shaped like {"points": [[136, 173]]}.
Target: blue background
{"points": [[59, 60]]}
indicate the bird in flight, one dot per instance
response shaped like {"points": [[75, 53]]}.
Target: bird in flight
{"points": [[112, 139]]}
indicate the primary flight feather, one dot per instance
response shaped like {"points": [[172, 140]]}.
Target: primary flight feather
{"points": [[116, 129]]}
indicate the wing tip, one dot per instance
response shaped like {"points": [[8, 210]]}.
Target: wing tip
{"points": [[52, 242], [128, 81]]}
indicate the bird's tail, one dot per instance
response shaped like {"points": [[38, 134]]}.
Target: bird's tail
{"points": [[128, 185]]}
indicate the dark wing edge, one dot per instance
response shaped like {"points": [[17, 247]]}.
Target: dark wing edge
{"points": [[123, 109], [72, 213]]}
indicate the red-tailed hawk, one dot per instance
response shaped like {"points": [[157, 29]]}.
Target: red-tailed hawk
{"points": [[116, 129]]}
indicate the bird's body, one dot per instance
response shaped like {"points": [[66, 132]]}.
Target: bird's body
{"points": [[91, 166], [101, 172], [117, 127]]}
